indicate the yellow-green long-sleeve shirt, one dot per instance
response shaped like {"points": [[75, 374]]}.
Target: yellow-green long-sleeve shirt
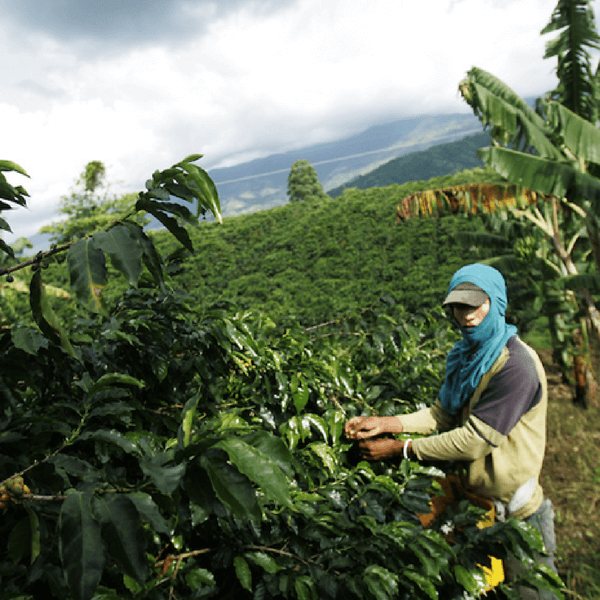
{"points": [[501, 431]]}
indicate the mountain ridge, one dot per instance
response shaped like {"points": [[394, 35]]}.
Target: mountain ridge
{"points": [[441, 159], [261, 184]]}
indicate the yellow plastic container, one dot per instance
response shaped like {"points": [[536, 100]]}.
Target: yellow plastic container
{"points": [[494, 574], [455, 492]]}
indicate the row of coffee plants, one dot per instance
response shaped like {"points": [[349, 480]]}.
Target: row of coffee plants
{"points": [[172, 458]]}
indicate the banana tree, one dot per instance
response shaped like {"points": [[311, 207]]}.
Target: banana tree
{"points": [[559, 246], [555, 149], [567, 152]]}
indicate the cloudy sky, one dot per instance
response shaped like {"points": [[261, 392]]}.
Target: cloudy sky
{"points": [[140, 84]]}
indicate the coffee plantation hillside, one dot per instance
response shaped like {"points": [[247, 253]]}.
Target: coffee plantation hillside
{"points": [[159, 448], [311, 262], [306, 262]]}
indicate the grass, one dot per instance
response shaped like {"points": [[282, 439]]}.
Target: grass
{"points": [[571, 479]]}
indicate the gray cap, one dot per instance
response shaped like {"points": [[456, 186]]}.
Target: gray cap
{"points": [[466, 293]]}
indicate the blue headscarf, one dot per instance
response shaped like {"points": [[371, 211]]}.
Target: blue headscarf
{"points": [[483, 343]]}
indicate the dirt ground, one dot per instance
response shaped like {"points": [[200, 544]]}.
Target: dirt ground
{"points": [[571, 479]]}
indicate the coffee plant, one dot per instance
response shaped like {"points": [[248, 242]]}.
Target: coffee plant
{"points": [[160, 454]]}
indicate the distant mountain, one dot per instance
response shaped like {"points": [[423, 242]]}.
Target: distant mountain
{"points": [[442, 159], [262, 184]]}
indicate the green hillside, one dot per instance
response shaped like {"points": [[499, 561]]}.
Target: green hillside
{"points": [[317, 261], [438, 160]]}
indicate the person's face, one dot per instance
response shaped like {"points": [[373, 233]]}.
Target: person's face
{"points": [[470, 316]]}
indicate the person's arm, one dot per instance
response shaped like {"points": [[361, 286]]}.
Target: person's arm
{"points": [[427, 420], [362, 428], [462, 443], [365, 429], [514, 389]]}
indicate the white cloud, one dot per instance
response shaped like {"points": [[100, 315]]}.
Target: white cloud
{"points": [[252, 81]]}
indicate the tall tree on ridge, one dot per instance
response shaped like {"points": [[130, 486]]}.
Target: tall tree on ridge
{"points": [[303, 183]]}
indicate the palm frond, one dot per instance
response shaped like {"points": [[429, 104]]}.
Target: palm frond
{"points": [[471, 198]]}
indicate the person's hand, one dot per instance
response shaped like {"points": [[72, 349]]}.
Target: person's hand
{"points": [[362, 428], [380, 449]]}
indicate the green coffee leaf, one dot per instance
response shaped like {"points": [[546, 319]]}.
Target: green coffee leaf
{"points": [[27, 339], [19, 540], [272, 446], [148, 511], [425, 584], [381, 583], [198, 578], [88, 273], [243, 573], [466, 579], [122, 533], [124, 251], [259, 467], [265, 561], [81, 546], [111, 437], [300, 392], [328, 455], [166, 476], [232, 488]]}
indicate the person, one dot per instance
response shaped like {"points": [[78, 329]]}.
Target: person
{"points": [[490, 413]]}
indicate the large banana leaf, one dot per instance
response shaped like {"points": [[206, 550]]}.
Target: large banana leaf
{"points": [[580, 136], [513, 125], [513, 121], [471, 198], [582, 281], [501, 90], [544, 176], [574, 19]]}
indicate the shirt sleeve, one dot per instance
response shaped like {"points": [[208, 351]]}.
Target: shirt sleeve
{"points": [[462, 443], [428, 420]]}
